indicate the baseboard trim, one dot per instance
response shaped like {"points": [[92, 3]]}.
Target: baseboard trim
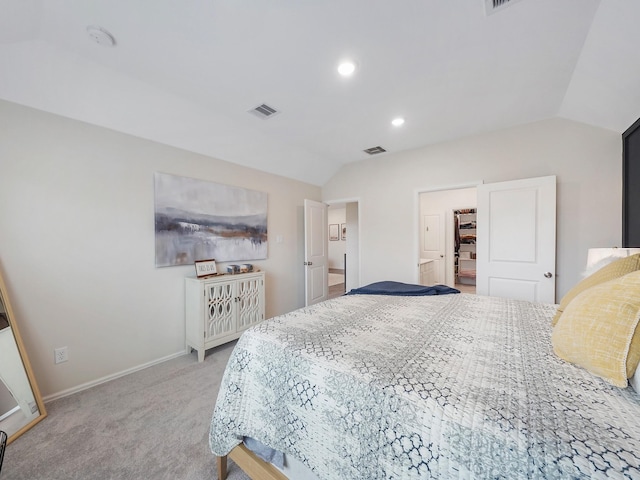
{"points": [[10, 412], [108, 378]]}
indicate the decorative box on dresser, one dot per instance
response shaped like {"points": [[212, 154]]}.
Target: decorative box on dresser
{"points": [[219, 308]]}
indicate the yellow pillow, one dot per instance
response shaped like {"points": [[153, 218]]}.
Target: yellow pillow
{"points": [[598, 330], [615, 269]]}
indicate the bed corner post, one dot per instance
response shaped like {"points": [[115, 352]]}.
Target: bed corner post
{"points": [[222, 468]]}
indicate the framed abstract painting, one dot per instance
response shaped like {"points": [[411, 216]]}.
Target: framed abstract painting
{"points": [[198, 220]]}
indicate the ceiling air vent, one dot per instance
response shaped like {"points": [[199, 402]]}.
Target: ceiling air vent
{"points": [[264, 111], [493, 6], [374, 150]]}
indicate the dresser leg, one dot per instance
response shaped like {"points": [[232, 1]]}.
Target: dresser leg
{"points": [[200, 356]]}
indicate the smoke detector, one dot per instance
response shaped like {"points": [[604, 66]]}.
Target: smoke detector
{"points": [[101, 36]]}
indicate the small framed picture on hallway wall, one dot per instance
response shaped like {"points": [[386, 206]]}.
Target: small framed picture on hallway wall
{"points": [[344, 231]]}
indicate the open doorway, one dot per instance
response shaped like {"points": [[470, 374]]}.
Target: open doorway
{"points": [[438, 251], [464, 231], [337, 218], [343, 250]]}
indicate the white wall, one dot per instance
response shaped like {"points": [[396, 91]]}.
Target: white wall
{"points": [[587, 161], [337, 249], [77, 244]]}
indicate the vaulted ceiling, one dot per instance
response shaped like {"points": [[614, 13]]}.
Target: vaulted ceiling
{"points": [[186, 73]]}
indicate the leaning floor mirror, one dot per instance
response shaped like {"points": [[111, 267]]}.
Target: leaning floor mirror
{"points": [[21, 405]]}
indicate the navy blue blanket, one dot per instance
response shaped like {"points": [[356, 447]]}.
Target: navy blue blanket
{"points": [[402, 289]]}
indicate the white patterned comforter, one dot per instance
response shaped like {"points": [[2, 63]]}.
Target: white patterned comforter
{"points": [[453, 386]]}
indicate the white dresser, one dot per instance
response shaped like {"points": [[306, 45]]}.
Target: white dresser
{"points": [[218, 309]]}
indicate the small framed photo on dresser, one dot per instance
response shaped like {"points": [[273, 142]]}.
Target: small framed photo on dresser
{"points": [[205, 268]]}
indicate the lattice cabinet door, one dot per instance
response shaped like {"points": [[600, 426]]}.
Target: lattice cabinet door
{"points": [[219, 308], [220, 315], [250, 301]]}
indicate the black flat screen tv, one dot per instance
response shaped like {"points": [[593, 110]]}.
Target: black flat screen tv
{"points": [[631, 186]]}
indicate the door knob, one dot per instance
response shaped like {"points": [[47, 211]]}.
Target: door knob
{"points": [[548, 274]]}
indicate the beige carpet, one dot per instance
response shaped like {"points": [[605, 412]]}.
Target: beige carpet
{"points": [[152, 424], [335, 279]]}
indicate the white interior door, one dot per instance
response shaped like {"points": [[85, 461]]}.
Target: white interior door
{"points": [[316, 271], [433, 247], [516, 239]]}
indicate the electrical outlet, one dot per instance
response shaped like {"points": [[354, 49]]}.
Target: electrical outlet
{"points": [[61, 354]]}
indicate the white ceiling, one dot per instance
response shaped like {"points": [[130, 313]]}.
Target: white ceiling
{"points": [[185, 72]]}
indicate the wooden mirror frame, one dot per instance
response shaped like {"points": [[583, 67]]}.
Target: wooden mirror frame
{"points": [[4, 297]]}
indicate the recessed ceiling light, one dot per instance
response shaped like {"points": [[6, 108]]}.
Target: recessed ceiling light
{"points": [[346, 69], [396, 122]]}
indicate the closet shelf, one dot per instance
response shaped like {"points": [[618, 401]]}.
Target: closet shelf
{"points": [[466, 246]]}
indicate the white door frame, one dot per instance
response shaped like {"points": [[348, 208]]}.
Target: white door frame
{"points": [[416, 219]]}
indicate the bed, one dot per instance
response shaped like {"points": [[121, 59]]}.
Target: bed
{"points": [[404, 387]]}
